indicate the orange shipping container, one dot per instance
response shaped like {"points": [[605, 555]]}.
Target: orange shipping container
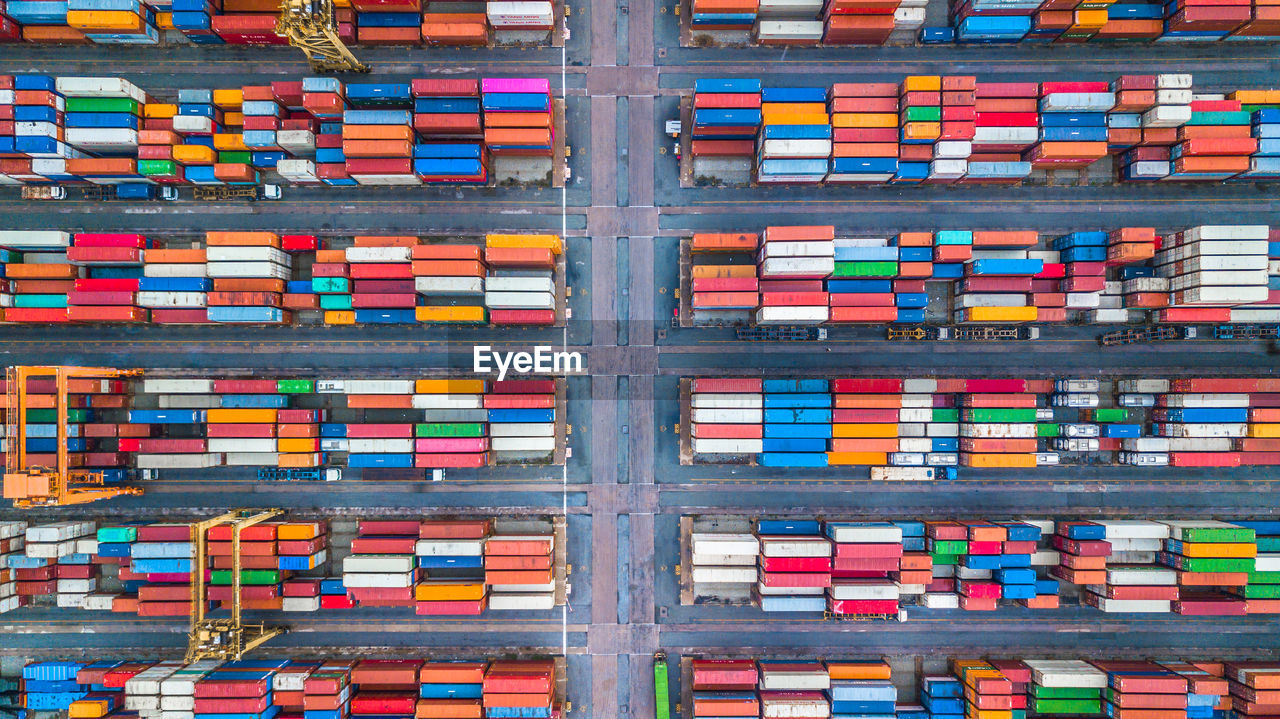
{"points": [[448, 709], [474, 253], [377, 132], [177, 257], [385, 240], [1001, 461], [517, 119], [531, 577], [102, 166], [1005, 238], [447, 268], [41, 272], [857, 458], [242, 239], [451, 673], [380, 401], [797, 233], [703, 272], [519, 257], [377, 148], [517, 136], [54, 34]]}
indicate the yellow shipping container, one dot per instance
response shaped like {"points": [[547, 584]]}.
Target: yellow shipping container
{"points": [[858, 670], [857, 458], [339, 317], [551, 242], [975, 713], [469, 313], [782, 116], [922, 130], [449, 386], [194, 154], [1264, 431], [1003, 461], [1229, 550], [1000, 314], [922, 83], [88, 708], [240, 416], [297, 444], [721, 271], [229, 142], [228, 99], [164, 21], [160, 110], [299, 530], [233, 119], [449, 591], [298, 461], [864, 119], [1090, 19], [113, 20], [864, 431]]}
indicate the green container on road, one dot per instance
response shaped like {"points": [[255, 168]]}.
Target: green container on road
{"points": [[866, 269], [102, 104], [924, 114], [449, 429], [335, 302], [295, 386], [1110, 414], [257, 577]]}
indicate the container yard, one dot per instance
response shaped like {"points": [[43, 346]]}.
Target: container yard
{"points": [[383, 359]]}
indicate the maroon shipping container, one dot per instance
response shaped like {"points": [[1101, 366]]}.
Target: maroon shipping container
{"points": [[523, 386], [377, 301], [384, 545], [222, 592], [428, 87], [522, 317], [727, 384], [180, 317], [297, 416], [164, 533], [724, 673], [996, 284], [171, 446], [1169, 593], [231, 689], [387, 672], [370, 527], [302, 588], [874, 386], [795, 564], [380, 594], [382, 271], [790, 285]]}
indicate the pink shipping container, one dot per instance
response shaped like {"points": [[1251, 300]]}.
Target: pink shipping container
{"points": [[379, 431], [245, 386], [446, 445], [480, 459]]}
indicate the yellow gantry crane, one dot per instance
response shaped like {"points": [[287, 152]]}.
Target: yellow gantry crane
{"points": [[228, 638], [36, 486], [311, 26]]}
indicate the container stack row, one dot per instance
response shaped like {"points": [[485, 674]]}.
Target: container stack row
{"points": [[439, 567], [103, 130], [199, 423], [805, 275], [265, 688], [957, 129], [926, 428], [871, 568], [268, 278], [253, 22], [750, 688], [1071, 21]]}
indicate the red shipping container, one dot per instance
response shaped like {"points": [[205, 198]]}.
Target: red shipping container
{"points": [[452, 608], [450, 460], [796, 564], [863, 606]]}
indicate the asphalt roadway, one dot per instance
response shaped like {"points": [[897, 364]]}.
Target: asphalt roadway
{"points": [[623, 487]]}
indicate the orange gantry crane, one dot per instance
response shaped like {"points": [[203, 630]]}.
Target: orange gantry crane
{"points": [[37, 486]]}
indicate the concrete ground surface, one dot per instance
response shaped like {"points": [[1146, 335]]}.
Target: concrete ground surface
{"points": [[622, 73]]}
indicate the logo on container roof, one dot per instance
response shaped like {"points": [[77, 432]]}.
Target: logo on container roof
{"points": [[543, 360]]}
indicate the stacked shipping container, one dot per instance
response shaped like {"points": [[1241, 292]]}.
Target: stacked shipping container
{"points": [[318, 130], [955, 129]]}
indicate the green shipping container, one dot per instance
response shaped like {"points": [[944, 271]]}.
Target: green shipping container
{"points": [[153, 168], [449, 429], [946, 415], [1001, 415], [295, 386], [1048, 429], [1264, 577], [1268, 544], [924, 114], [866, 269], [1112, 414], [1211, 564], [1067, 706], [949, 546], [945, 559], [41, 301], [1259, 591], [1218, 534], [117, 535], [1064, 692], [236, 156], [49, 416], [257, 577], [105, 104], [335, 302]]}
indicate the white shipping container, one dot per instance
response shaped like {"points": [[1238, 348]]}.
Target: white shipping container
{"points": [[98, 87], [448, 401], [379, 579], [384, 445], [795, 547], [902, 474], [952, 149], [519, 300], [241, 444], [449, 285], [522, 444], [1207, 399], [1167, 81], [1134, 606], [797, 249], [723, 560], [522, 429], [178, 461], [1227, 232], [378, 386], [728, 446], [780, 315], [98, 602], [1078, 102], [173, 270], [815, 267], [973, 299], [789, 29], [252, 459], [724, 575], [1173, 96], [942, 601], [231, 253], [779, 680], [1142, 576], [247, 269], [172, 299], [795, 149], [725, 400], [449, 548], [520, 14], [1153, 386], [377, 563], [519, 284], [864, 589], [101, 138], [379, 254], [736, 544], [1167, 116], [34, 239], [522, 601]]}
